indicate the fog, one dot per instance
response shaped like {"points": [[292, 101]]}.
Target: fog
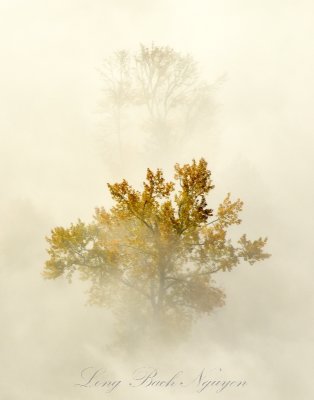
{"points": [[54, 170]]}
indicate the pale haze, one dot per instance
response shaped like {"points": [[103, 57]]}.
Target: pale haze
{"points": [[54, 170]]}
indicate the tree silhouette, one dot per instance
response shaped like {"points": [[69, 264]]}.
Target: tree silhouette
{"points": [[163, 89]]}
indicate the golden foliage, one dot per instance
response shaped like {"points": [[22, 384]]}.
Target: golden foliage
{"points": [[155, 250]]}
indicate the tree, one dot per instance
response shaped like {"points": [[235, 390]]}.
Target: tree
{"points": [[118, 92], [164, 87], [153, 255]]}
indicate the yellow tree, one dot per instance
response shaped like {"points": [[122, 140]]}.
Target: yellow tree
{"points": [[153, 255]]}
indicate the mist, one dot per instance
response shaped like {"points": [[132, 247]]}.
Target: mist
{"points": [[54, 170]]}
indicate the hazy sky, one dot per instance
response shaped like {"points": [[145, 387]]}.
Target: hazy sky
{"points": [[53, 171]]}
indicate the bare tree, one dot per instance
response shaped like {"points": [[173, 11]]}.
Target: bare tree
{"points": [[164, 89], [118, 92]]}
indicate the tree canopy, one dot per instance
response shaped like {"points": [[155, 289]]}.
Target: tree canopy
{"points": [[153, 255]]}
